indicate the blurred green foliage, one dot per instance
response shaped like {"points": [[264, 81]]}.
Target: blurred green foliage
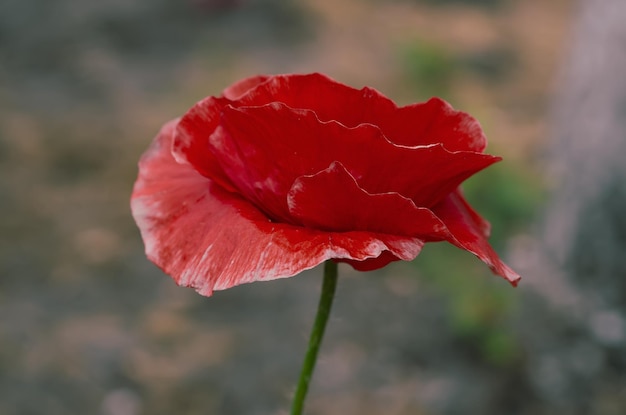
{"points": [[482, 3], [479, 306], [507, 196], [429, 68], [493, 64]]}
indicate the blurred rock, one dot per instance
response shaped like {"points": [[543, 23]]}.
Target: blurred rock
{"points": [[121, 402]]}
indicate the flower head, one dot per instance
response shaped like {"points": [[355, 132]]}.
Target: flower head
{"points": [[281, 173]]}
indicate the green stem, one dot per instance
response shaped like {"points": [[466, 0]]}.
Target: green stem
{"points": [[317, 333]]}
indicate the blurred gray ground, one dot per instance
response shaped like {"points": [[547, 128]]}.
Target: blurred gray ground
{"points": [[90, 326]]}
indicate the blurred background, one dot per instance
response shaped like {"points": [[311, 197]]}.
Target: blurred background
{"points": [[89, 326]]}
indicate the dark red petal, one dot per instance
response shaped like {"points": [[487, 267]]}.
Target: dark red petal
{"points": [[264, 149], [236, 90], [210, 239], [332, 200], [193, 131], [434, 121], [469, 231], [375, 263], [196, 126], [191, 139], [330, 99]]}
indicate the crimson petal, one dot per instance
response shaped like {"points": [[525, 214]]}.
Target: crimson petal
{"points": [[332, 200], [192, 134], [191, 139], [434, 121], [211, 239], [264, 149], [469, 231], [330, 99], [238, 89]]}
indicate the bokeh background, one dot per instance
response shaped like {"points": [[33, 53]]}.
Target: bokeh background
{"points": [[89, 326]]}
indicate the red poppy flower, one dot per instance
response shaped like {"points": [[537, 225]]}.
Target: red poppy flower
{"points": [[281, 173]]}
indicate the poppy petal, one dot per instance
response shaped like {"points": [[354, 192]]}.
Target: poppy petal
{"points": [[434, 121], [264, 149], [330, 99], [211, 239], [469, 231], [236, 90], [423, 124], [384, 259], [191, 139], [332, 200]]}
